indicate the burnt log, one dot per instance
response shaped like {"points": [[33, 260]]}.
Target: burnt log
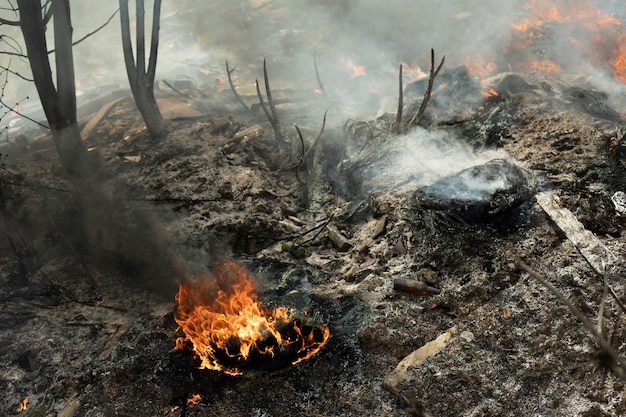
{"points": [[480, 193]]}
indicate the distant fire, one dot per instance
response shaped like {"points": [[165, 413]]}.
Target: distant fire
{"points": [[227, 327], [356, 70], [23, 405], [593, 34], [619, 64], [570, 35], [480, 67], [413, 71]]}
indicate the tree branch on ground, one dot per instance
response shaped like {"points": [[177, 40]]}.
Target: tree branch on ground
{"points": [[615, 362]]}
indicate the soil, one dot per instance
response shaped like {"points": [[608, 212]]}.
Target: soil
{"points": [[89, 268]]}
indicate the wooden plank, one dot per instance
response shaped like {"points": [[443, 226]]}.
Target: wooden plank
{"points": [[95, 119], [589, 246]]}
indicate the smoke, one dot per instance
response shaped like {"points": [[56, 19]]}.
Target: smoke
{"points": [[196, 38], [422, 157]]}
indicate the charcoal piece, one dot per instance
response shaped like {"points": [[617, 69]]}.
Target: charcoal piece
{"points": [[480, 193]]}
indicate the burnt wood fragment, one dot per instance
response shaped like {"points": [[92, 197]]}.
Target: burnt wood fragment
{"points": [[480, 193]]}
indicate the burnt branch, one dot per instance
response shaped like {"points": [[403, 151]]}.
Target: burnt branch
{"points": [[270, 101], [233, 89], [13, 44], [265, 110], [305, 155], [98, 29], [298, 164], [431, 80], [7, 69], [317, 75], [397, 126], [319, 228], [270, 112], [48, 14], [9, 22], [307, 152], [13, 108], [176, 90], [90, 34], [616, 362]]}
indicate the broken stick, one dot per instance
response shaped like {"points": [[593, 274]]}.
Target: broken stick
{"points": [[232, 87], [429, 88], [414, 287], [397, 126]]}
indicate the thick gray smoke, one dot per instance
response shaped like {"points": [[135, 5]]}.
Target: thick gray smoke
{"points": [[358, 43]]}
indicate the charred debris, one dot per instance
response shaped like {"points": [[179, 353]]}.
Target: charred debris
{"points": [[404, 260]]}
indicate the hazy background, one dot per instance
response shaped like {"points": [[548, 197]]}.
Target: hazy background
{"points": [[358, 43]]}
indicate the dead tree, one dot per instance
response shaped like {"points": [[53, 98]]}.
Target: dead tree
{"points": [[429, 88], [58, 101], [141, 79]]}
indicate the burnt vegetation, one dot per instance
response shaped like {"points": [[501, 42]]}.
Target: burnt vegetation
{"points": [[462, 247]]}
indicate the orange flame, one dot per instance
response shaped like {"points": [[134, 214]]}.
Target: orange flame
{"points": [[619, 64], [480, 67], [225, 322], [357, 70], [23, 405], [598, 36], [490, 93], [545, 67], [413, 71], [193, 400]]}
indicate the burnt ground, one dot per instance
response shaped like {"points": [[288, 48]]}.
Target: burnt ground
{"points": [[88, 268]]}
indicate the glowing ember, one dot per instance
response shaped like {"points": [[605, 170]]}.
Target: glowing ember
{"points": [[23, 405], [489, 93], [227, 326], [193, 400]]}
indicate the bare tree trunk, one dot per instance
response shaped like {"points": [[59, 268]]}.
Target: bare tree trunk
{"points": [[59, 103], [142, 80]]}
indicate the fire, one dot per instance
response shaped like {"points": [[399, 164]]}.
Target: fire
{"points": [[357, 70], [480, 67], [227, 325], [23, 405], [545, 67], [413, 71], [193, 400], [619, 64], [596, 35], [489, 93]]}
